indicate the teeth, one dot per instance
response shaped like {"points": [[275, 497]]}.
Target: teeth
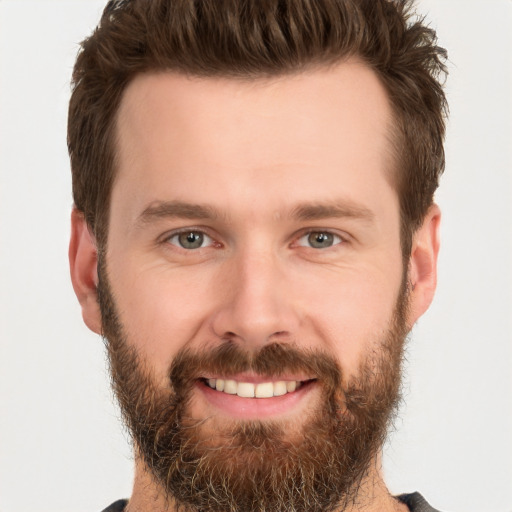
{"points": [[245, 390], [230, 387], [280, 388], [250, 390], [264, 390], [291, 385]]}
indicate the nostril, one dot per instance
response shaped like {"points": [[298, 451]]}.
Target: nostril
{"points": [[229, 336]]}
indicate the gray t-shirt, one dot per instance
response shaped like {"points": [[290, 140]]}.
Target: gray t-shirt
{"points": [[415, 501]]}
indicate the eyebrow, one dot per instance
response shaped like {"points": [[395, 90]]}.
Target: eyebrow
{"points": [[336, 209], [176, 209], [304, 212]]}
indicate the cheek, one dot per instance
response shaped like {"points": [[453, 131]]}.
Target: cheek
{"points": [[161, 311], [351, 311]]}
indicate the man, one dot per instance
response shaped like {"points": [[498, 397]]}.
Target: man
{"points": [[254, 235]]}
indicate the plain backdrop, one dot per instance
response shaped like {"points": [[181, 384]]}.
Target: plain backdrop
{"points": [[62, 446]]}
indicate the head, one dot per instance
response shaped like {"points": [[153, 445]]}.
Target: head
{"points": [[254, 187]]}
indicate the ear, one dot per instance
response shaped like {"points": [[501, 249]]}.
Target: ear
{"points": [[423, 264], [83, 260]]}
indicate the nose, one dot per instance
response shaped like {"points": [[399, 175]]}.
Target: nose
{"points": [[255, 302]]}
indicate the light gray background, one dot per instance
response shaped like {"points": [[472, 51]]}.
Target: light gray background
{"points": [[61, 445]]}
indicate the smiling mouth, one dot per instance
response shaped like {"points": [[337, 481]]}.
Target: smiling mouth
{"points": [[255, 390]]}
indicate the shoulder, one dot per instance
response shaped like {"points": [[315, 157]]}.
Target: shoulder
{"points": [[117, 506], [416, 502]]}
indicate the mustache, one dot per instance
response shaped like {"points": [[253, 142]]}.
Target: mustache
{"points": [[270, 361]]}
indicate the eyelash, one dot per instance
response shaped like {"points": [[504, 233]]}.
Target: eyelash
{"points": [[168, 239], [337, 239]]}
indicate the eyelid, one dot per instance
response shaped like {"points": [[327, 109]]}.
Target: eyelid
{"points": [[343, 238], [166, 238]]}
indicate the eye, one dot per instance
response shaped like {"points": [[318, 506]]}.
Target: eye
{"points": [[319, 239], [190, 240]]}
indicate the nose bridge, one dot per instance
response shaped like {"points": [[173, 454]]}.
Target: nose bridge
{"points": [[257, 307]]}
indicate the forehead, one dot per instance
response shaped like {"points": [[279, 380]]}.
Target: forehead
{"points": [[303, 133]]}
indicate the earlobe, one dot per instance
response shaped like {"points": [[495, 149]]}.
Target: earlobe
{"points": [[83, 259], [423, 264]]}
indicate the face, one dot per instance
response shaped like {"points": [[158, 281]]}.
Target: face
{"points": [[255, 213], [253, 282]]}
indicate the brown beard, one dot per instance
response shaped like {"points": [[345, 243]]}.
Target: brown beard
{"points": [[257, 465]]}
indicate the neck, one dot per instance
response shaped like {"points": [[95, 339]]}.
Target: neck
{"points": [[373, 495]]}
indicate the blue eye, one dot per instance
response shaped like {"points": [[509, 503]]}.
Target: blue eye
{"points": [[319, 239], [191, 240]]}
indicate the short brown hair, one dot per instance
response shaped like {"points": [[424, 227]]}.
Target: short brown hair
{"points": [[258, 38]]}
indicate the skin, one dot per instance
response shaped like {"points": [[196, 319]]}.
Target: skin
{"points": [[268, 161]]}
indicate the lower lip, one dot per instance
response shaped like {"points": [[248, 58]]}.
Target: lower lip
{"points": [[255, 408]]}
